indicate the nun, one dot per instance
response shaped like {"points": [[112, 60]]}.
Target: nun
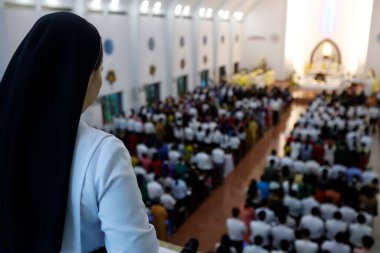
{"points": [[64, 186]]}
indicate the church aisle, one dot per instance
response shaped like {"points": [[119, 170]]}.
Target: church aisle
{"points": [[207, 223]]}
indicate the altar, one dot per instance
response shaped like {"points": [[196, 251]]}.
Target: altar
{"points": [[331, 83], [325, 70]]}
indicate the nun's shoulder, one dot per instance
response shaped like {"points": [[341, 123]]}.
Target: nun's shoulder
{"points": [[87, 132]]}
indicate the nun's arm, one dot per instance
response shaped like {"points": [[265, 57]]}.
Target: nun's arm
{"points": [[121, 209]]}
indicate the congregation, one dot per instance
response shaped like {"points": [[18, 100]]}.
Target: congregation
{"points": [[183, 149], [321, 196]]}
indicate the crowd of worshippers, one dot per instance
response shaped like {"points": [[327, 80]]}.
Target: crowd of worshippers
{"points": [[315, 198], [182, 149]]}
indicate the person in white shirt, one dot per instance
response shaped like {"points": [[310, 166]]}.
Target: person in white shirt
{"points": [[236, 230], [174, 155], [203, 161], [179, 190], [335, 225], [294, 204], [149, 128], [261, 228], [368, 177], [314, 223], [138, 127], [337, 245], [328, 208], [256, 247], [189, 134], [218, 159], [304, 245], [284, 247], [308, 204], [281, 232], [348, 214], [154, 188], [358, 230], [269, 214], [167, 200], [141, 149]]}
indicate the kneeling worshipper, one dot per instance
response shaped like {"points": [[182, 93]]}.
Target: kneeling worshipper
{"points": [[64, 186]]}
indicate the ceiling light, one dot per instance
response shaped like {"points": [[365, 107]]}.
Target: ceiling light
{"points": [[144, 7], [114, 3], [209, 13], [157, 7], [186, 10], [226, 14], [178, 10], [202, 12], [221, 13], [238, 16], [96, 4]]}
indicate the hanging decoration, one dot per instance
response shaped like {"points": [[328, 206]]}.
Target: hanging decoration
{"points": [[108, 46], [111, 77]]}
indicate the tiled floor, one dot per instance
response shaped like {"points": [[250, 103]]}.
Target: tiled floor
{"points": [[208, 222]]}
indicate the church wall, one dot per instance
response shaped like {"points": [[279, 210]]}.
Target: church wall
{"points": [[152, 28], [206, 42], [264, 36], [236, 43], [182, 32], [373, 56], [223, 44]]}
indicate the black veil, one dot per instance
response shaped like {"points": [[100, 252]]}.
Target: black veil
{"points": [[41, 98]]}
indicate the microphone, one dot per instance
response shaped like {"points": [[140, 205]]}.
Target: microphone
{"points": [[191, 246]]}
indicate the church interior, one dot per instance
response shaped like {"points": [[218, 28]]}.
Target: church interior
{"points": [[252, 125]]}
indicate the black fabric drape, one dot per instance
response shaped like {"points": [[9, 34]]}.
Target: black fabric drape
{"points": [[41, 98]]}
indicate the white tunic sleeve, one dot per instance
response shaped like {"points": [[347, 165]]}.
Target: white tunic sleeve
{"points": [[121, 210]]}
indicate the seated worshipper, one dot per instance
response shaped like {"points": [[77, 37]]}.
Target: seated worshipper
{"points": [[256, 246], [281, 232], [358, 230], [236, 230], [66, 167], [368, 242], [160, 215], [260, 228], [154, 188], [348, 213], [169, 203], [305, 245], [315, 224], [179, 191], [203, 161], [335, 225], [294, 204], [336, 246], [141, 149], [328, 209], [174, 154]]}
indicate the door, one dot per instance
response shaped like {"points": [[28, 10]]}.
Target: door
{"points": [[204, 78], [236, 68], [222, 75], [152, 93], [182, 85], [111, 106]]}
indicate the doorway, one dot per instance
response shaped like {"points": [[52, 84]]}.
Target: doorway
{"points": [[222, 75], [152, 93], [204, 78], [182, 85]]}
